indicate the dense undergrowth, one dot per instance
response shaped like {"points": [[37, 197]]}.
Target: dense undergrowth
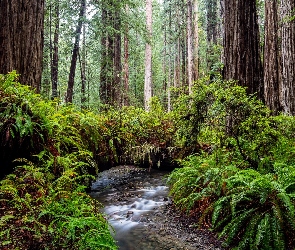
{"points": [[242, 184], [50, 153], [239, 177], [46, 163]]}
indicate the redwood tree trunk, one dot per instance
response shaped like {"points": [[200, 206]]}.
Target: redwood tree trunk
{"points": [[82, 59], [117, 85], [21, 39], [195, 41], [148, 57], [241, 45], [104, 62], [288, 56], [190, 52], [271, 57], [211, 30], [111, 65], [54, 59], [70, 90], [126, 65]]}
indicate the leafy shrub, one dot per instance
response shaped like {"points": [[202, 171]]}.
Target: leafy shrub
{"points": [[243, 183], [197, 185], [21, 131], [258, 209], [43, 204], [39, 213]]}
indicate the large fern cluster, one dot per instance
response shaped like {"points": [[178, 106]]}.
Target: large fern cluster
{"points": [[65, 147], [257, 208], [39, 212], [43, 200], [242, 185]]}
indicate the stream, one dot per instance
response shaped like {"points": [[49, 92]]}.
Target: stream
{"points": [[138, 208]]}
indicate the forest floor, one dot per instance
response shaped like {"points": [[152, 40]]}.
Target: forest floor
{"points": [[165, 228]]}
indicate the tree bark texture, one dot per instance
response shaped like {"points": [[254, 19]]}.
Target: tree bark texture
{"points": [[271, 57], [104, 60], [117, 88], [54, 53], [148, 57], [70, 89], [190, 51], [82, 59], [241, 45], [195, 41], [21, 39], [111, 65], [126, 65], [288, 56], [211, 30]]}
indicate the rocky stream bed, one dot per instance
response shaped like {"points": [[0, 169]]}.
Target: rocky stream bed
{"points": [[137, 206]]}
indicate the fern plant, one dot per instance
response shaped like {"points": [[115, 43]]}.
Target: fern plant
{"points": [[197, 185], [258, 209], [75, 221]]}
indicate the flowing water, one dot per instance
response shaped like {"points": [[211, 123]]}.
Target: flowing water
{"points": [[131, 206]]}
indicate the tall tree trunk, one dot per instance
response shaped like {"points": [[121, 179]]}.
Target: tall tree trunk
{"points": [[177, 54], [111, 65], [184, 62], [211, 30], [176, 64], [148, 57], [110, 62], [104, 60], [190, 51], [70, 90], [167, 58], [117, 88], [195, 41], [54, 53], [21, 39], [288, 56], [271, 57], [241, 45], [82, 59], [126, 65]]}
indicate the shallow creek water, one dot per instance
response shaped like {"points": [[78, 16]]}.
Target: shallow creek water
{"points": [[137, 206], [131, 205]]}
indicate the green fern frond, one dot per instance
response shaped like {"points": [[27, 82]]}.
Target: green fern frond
{"points": [[247, 240], [263, 233], [232, 229], [278, 238], [220, 206]]}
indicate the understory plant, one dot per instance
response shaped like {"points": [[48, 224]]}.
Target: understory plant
{"points": [[198, 184], [46, 164], [240, 183], [50, 153], [36, 214], [258, 209]]}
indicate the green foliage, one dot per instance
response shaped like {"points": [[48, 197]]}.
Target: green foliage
{"points": [[241, 182], [60, 148], [197, 185], [40, 215], [43, 201], [259, 209]]}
